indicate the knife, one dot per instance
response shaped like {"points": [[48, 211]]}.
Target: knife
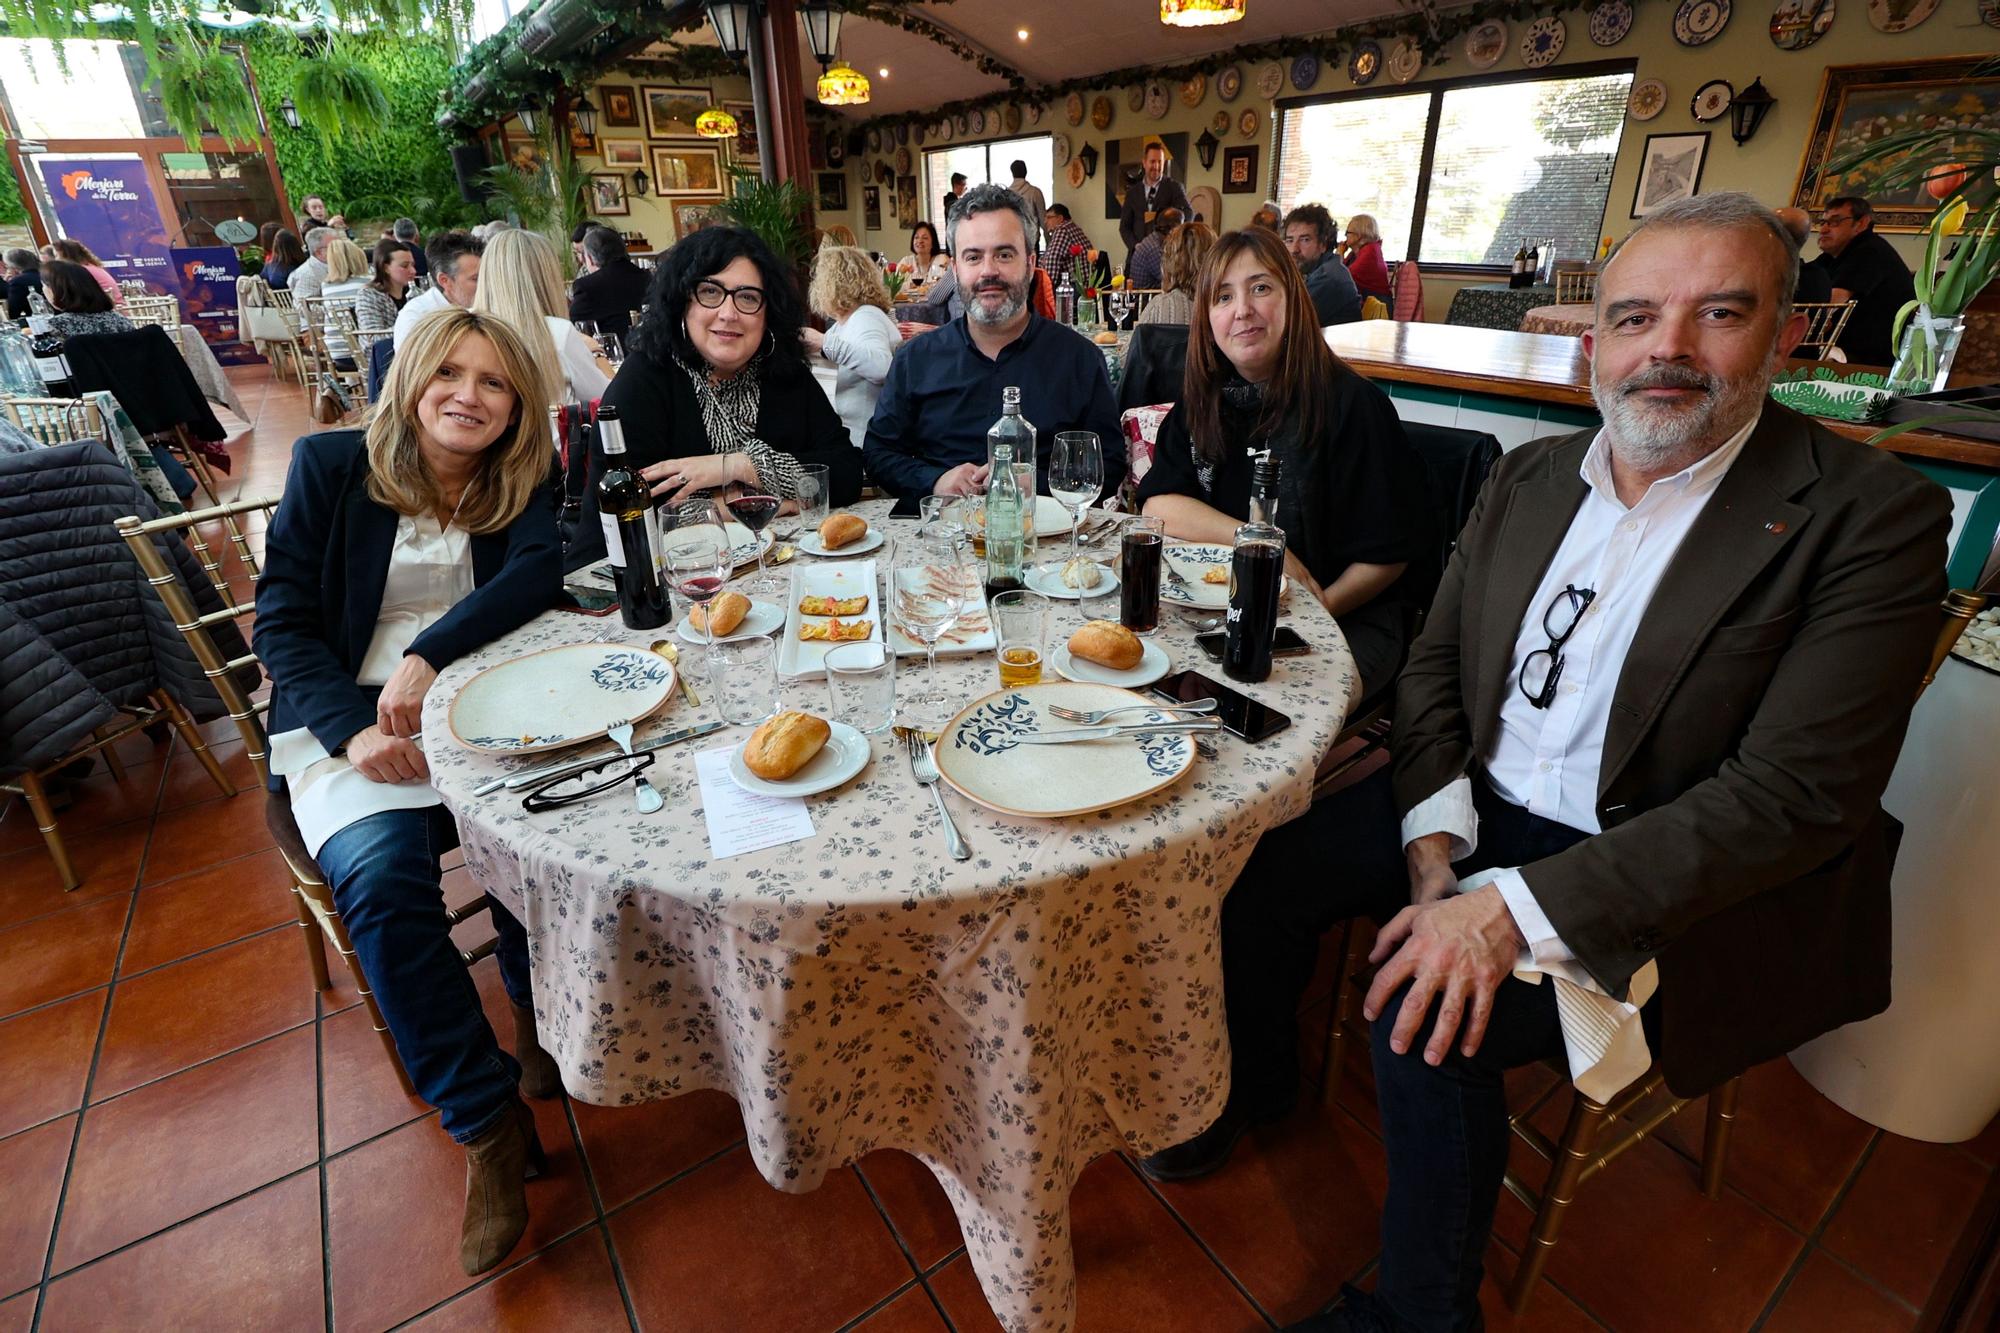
{"points": [[569, 766], [1112, 732]]}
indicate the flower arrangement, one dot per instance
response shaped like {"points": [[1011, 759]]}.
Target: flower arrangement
{"points": [[1926, 330]]}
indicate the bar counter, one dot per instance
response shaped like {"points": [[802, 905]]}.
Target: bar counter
{"points": [[1547, 374]]}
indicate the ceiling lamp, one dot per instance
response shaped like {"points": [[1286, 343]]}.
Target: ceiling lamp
{"points": [[1201, 13], [731, 20], [715, 123], [843, 85], [822, 22]]}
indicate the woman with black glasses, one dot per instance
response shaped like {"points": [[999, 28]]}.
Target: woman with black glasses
{"points": [[716, 392]]}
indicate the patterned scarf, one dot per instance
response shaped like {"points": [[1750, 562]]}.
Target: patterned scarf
{"points": [[729, 411]]}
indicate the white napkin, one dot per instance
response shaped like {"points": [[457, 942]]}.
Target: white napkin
{"points": [[1602, 1036]]}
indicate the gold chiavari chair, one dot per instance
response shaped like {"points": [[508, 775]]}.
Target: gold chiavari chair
{"points": [[271, 323], [162, 310], [1584, 1147], [1576, 286], [55, 420], [1825, 321], [341, 321], [319, 917]]}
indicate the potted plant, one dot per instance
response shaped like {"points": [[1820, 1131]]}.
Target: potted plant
{"points": [[202, 85], [776, 211], [1927, 330]]}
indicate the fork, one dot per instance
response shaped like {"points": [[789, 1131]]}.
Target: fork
{"points": [[644, 795], [925, 770], [1097, 715]]}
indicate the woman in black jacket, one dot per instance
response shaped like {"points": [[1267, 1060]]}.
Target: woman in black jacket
{"points": [[392, 555], [716, 392]]}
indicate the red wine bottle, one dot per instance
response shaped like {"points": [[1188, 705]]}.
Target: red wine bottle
{"points": [[631, 531]]}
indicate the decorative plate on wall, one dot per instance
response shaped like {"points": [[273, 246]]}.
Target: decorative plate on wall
{"points": [[1610, 21], [1270, 80], [1010, 119], [903, 133], [1076, 176], [1230, 81], [1305, 72], [1193, 89], [918, 133], [1221, 122], [942, 130], [979, 121], [875, 140], [903, 162], [1797, 24], [1249, 122], [1899, 15], [1989, 13], [1484, 43], [1101, 112], [1059, 149], [1648, 99], [1543, 41], [1135, 98], [1365, 63], [1406, 60], [1699, 22], [961, 124], [836, 149], [1073, 108], [1712, 99], [1033, 115], [1158, 99]]}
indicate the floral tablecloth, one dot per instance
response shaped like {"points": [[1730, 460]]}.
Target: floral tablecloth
{"points": [[1570, 320], [207, 371], [1005, 1019], [133, 451], [1495, 305]]}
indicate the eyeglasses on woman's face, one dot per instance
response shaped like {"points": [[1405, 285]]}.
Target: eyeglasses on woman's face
{"points": [[710, 294]]}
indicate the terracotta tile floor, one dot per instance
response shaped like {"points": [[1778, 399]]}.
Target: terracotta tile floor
{"points": [[189, 1138]]}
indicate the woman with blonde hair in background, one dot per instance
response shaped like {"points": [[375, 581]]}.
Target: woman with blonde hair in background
{"points": [[348, 271], [521, 282], [1181, 258], [847, 289], [395, 552], [1363, 252]]}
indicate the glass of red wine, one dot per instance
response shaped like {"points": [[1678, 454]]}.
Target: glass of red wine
{"points": [[698, 563], [755, 510]]}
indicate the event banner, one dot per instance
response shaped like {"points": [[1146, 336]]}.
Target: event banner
{"points": [[106, 201], [207, 279]]}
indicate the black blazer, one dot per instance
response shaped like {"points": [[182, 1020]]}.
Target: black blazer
{"points": [[1133, 223], [18, 288], [609, 296], [662, 420], [326, 558]]}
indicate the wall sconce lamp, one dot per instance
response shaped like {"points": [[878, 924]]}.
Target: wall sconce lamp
{"points": [[530, 112], [1747, 111], [289, 111], [585, 116], [1088, 156], [639, 183], [1205, 147]]}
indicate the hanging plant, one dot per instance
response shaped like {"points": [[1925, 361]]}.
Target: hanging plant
{"points": [[203, 85], [338, 97]]}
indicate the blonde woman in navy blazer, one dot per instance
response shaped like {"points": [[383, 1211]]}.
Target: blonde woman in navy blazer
{"points": [[394, 552]]}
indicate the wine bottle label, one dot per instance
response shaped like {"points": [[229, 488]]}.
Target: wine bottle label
{"points": [[613, 543]]}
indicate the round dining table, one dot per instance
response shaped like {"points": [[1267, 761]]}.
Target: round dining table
{"points": [[1571, 319], [1006, 1019]]}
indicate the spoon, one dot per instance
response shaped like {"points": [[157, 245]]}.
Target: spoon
{"points": [[668, 649]]}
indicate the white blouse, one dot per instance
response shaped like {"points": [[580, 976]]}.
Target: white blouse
{"points": [[430, 571], [860, 348], [939, 266], [580, 369]]}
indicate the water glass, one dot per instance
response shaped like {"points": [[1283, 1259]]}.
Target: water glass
{"points": [[744, 675], [813, 495], [861, 686], [1021, 630]]}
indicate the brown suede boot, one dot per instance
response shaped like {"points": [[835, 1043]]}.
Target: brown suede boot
{"points": [[496, 1204], [539, 1078]]}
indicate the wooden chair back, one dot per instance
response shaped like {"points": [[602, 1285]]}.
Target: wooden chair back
{"points": [[162, 310], [1576, 286], [55, 420], [1825, 321]]}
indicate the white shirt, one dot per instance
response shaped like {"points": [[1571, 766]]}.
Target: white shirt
{"points": [[1549, 760], [586, 381], [860, 348], [430, 571], [336, 341], [416, 308]]}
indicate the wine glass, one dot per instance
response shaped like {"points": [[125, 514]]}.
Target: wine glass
{"points": [[933, 583], [755, 510], [611, 349], [697, 560], [588, 328], [1076, 476]]}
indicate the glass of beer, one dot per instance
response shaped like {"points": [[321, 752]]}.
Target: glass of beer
{"points": [[1020, 629], [1140, 552]]}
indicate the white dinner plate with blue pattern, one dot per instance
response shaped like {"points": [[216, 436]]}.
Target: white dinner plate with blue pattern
{"points": [[559, 696], [1184, 573], [978, 755]]}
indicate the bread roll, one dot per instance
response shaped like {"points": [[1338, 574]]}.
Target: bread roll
{"points": [[841, 530], [1106, 339], [784, 745], [1083, 573], [725, 613], [1107, 643]]}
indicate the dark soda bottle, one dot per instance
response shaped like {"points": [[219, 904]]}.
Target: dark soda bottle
{"points": [[1256, 576]]}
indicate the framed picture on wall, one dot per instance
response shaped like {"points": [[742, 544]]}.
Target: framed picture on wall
{"points": [[524, 155], [691, 216], [1239, 170], [624, 152], [906, 201], [871, 207], [1861, 103], [579, 142], [746, 129], [607, 194], [671, 111], [619, 105], [832, 191], [1669, 169], [688, 169]]}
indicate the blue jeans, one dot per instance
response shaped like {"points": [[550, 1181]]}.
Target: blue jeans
{"points": [[384, 874], [1445, 1129]]}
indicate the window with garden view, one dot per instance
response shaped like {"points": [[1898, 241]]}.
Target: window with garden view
{"points": [[1459, 174]]}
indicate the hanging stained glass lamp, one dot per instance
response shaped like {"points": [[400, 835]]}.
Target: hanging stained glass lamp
{"points": [[843, 85], [715, 123], [1201, 13]]}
